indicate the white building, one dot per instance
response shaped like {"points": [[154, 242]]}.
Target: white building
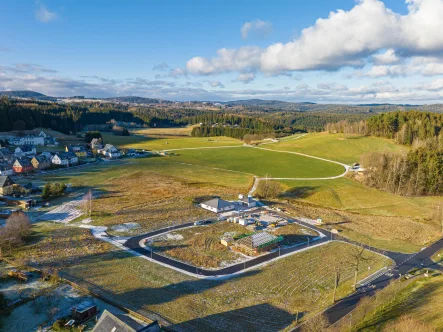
{"points": [[247, 201], [65, 159], [218, 205], [109, 151], [28, 140]]}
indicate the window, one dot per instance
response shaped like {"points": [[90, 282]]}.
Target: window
{"points": [[114, 329]]}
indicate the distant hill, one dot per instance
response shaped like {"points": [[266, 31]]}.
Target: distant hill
{"points": [[263, 103], [137, 100], [26, 94]]}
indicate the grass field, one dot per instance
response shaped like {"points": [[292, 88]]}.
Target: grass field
{"points": [[178, 142], [419, 300], [261, 300], [260, 162], [349, 195], [153, 192], [339, 147]]}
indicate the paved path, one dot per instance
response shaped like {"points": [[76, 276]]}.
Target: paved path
{"points": [[134, 244]]}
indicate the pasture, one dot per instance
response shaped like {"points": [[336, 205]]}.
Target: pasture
{"points": [[260, 162], [339, 147]]}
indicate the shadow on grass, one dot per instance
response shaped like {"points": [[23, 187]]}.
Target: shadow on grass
{"points": [[414, 299], [300, 192], [260, 318]]}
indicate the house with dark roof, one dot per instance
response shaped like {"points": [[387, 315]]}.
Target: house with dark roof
{"points": [[110, 322], [110, 151], [6, 155], [65, 159], [6, 169], [25, 150], [22, 165], [41, 162], [218, 205], [6, 185], [79, 150]]}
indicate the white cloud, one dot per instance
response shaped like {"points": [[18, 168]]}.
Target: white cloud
{"points": [[241, 59], [344, 39], [256, 28], [246, 78], [42, 14]]}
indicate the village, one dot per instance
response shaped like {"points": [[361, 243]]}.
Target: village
{"points": [[24, 158]]}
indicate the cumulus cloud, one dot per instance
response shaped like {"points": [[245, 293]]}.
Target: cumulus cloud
{"points": [[241, 59], [256, 28], [246, 78], [43, 15], [350, 38]]}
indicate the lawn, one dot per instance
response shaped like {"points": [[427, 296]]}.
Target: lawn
{"points": [[260, 162], [339, 147]]}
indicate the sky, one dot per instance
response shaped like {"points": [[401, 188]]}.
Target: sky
{"points": [[323, 51]]}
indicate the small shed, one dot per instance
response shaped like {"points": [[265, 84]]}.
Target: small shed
{"points": [[84, 311]]}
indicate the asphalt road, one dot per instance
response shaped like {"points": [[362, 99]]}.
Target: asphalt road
{"points": [[134, 244]]}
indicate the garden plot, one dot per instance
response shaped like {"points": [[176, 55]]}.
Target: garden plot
{"points": [[199, 246]]}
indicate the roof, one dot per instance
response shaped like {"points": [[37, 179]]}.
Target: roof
{"points": [[42, 159], [217, 203], [24, 161], [109, 147], [258, 239], [5, 151], [26, 148], [96, 141], [84, 306], [247, 199], [5, 181], [122, 323]]}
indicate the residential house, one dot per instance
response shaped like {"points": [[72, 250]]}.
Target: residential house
{"points": [[65, 159], [41, 162], [110, 322], [96, 144], [79, 150], [28, 140], [218, 205], [109, 151], [25, 150], [6, 155], [6, 169], [6, 185], [22, 165], [43, 134]]}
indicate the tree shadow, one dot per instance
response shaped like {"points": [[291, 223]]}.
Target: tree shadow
{"points": [[258, 318], [300, 192]]}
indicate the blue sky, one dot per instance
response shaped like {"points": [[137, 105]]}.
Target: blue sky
{"points": [[322, 51]]}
